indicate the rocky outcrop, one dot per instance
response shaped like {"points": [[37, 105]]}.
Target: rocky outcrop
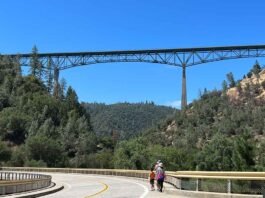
{"points": [[234, 93], [172, 126]]}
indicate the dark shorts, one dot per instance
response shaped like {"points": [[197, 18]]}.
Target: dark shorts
{"points": [[152, 181]]}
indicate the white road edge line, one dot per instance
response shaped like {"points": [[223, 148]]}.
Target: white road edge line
{"points": [[68, 185], [145, 188]]}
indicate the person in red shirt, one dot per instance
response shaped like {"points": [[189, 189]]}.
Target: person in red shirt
{"points": [[152, 179]]}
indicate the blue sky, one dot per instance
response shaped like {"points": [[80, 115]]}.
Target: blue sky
{"points": [[94, 25]]}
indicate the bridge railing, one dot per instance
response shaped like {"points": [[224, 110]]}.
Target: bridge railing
{"points": [[222, 182], [197, 181], [13, 182]]}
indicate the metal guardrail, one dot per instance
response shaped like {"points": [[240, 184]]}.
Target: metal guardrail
{"points": [[13, 182], [222, 182], [198, 181]]}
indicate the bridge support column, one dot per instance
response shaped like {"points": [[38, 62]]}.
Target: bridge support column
{"points": [[184, 88], [56, 82]]}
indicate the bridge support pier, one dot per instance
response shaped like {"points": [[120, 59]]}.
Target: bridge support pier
{"points": [[56, 82], [184, 87]]}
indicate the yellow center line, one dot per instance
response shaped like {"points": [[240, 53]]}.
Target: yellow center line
{"points": [[106, 187]]}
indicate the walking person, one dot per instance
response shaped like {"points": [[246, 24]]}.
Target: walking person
{"points": [[157, 163], [152, 179], [155, 168], [160, 176]]}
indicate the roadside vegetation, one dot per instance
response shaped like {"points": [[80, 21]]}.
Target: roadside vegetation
{"points": [[223, 130], [45, 126]]}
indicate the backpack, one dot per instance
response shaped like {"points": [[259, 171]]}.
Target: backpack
{"points": [[161, 176]]}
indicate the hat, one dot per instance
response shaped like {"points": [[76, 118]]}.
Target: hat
{"points": [[159, 161]]}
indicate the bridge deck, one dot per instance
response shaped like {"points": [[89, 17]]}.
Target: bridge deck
{"points": [[144, 51]]}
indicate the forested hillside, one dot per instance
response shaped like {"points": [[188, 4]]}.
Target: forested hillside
{"points": [[216, 132], [125, 120], [43, 125], [36, 128]]}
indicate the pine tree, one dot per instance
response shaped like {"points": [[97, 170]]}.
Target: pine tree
{"points": [[47, 129], [62, 88], [224, 86], [49, 76], [5, 152], [231, 80], [36, 65], [34, 61], [71, 98], [33, 129], [256, 68]]}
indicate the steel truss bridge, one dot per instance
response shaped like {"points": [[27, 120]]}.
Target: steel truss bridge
{"points": [[182, 57]]}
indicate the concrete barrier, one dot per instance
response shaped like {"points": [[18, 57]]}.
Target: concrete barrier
{"points": [[12, 182]]}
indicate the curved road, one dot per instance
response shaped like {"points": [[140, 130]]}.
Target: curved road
{"points": [[87, 186]]}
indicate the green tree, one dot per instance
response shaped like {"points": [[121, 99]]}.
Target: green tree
{"points": [[77, 136], [13, 124], [62, 88], [216, 155], [19, 156], [231, 80], [256, 68], [72, 98], [103, 159], [5, 152], [260, 156], [49, 76], [132, 155], [34, 62], [48, 129], [35, 163], [36, 66], [243, 154], [33, 129], [224, 86], [41, 147]]}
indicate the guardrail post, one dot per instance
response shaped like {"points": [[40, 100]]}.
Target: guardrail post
{"points": [[263, 189], [198, 184], [15, 189], [229, 185], [4, 190]]}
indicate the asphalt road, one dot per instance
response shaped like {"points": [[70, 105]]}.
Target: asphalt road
{"points": [[87, 186]]}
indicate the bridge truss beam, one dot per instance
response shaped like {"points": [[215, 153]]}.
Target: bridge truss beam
{"points": [[185, 57]]}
